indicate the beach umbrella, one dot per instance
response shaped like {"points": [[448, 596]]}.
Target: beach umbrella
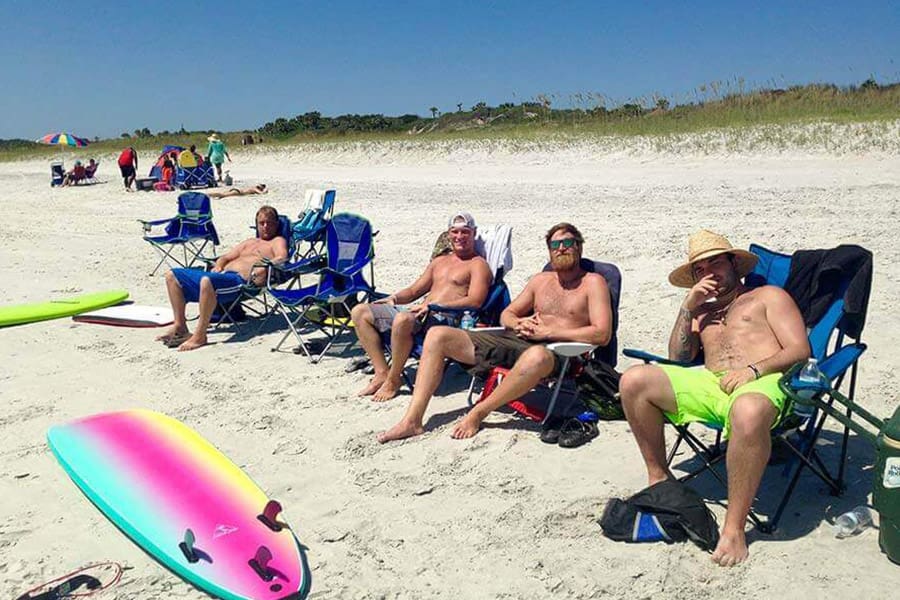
{"points": [[63, 139]]}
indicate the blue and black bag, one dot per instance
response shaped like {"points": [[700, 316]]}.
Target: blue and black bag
{"points": [[667, 511]]}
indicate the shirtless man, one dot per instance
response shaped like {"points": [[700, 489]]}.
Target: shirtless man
{"points": [[749, 337], [223, 283], [457, 280], [259, 188], [565, 304]]}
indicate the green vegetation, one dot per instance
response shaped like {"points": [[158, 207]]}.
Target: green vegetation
{"points": [[714, 106]]}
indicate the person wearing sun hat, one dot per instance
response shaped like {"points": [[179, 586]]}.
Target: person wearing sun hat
{"points": [[216, 153], [748, 338]]}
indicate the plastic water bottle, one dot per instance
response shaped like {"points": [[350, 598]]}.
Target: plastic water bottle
{"points": [[852, 522], [809, 374], [467, 321]]}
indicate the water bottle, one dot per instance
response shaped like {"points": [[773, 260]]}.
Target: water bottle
{"points": [[853, 522], [467, 321], [809, 374]]}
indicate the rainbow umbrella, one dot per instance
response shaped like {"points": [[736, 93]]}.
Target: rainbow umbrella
{"points": [[63, 139]]}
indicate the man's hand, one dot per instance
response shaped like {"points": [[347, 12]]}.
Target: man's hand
{"points": [[700, 293], [420, 311], [736, 378], [532, 328]]}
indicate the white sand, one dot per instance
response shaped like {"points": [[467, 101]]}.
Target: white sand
{"points": [[498, 516]]}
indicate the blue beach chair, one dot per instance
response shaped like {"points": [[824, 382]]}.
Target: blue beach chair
{"points": [[57, 173], [191, 231], [201, 176], [349, 251], [834, 339], [309, 228]]}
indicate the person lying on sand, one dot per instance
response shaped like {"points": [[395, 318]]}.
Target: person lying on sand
{"points": [[460, 279], [259, 188], [748, 336], [565, 304], [222, 284]]}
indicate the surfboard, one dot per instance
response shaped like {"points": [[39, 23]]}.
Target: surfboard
{"points": [[184, 503], [54, 309], [128, 315]]}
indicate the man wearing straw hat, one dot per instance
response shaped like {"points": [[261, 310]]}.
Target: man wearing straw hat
{"points": [[748, 337]]}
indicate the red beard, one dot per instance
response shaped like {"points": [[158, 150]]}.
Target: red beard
{"points": [[564, 262]]}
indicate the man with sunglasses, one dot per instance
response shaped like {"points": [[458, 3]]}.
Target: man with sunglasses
{"points": [[564, 304], [458, 279]]}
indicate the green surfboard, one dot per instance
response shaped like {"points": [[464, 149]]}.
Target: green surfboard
{"points": [[63, 307]]}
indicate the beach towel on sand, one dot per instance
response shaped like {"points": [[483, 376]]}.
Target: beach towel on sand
{"points": [[667, 511]]}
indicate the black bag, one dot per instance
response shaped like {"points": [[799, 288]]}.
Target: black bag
{"points": [[598, 389], [667, 511]]}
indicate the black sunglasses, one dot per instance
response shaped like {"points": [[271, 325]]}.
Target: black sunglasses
{"points": [[566, 243]]}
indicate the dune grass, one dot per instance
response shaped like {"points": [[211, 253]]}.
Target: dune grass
{"points": [[711, 109]]}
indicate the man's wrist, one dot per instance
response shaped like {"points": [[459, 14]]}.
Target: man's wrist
{"points": [[756, 372]]}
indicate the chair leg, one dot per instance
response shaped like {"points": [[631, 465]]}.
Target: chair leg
{"points": [[556, 389]]}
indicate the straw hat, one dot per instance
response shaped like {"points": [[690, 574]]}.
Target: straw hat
{"points": [[213, 138], [706, 244]]}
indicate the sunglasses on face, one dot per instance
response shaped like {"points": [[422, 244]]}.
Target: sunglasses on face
{"points": [[566, 243]]}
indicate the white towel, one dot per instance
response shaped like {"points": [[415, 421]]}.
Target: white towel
{"points": [[315, 199], [494, 243]]}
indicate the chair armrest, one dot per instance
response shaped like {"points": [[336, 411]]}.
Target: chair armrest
{"points": [[154, 223], [833, 366], [452, 309], [303, 266], [655, 358], [570, 349]]}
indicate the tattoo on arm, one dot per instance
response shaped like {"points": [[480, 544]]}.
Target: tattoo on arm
{"points": [[681, 342]]}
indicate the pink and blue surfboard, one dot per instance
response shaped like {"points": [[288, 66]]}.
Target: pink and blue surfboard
{"points": [[184, 503]]}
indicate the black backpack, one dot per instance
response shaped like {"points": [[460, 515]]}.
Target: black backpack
{"points": [[667, 511]]}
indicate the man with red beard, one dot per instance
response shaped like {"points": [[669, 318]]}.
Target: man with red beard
{"points": [[565, 304]]}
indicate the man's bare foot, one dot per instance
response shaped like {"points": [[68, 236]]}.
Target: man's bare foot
{"points": [[467, 427], [172, 333], [193, 343], [373, 386], [400, 431], [731, 549], [388, 390]]}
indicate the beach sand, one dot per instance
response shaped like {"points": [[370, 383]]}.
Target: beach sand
{"points": [[498, 516]]}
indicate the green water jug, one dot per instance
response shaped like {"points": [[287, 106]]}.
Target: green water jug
{"points": [[886, 491]]}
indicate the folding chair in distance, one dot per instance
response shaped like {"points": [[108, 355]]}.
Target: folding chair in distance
{"points": [[309, 228], [567, 351], [57, 173], [349, 250], [835, 342], [190, 231]]}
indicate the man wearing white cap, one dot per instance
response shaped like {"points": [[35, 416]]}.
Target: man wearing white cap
{"points": [[460, 279], [748, 337]]}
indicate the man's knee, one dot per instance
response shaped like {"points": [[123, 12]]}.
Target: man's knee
{"points": [[537, 359], [403, 322], [361, 314], [637, 382], [752, 415], [438, 339]]}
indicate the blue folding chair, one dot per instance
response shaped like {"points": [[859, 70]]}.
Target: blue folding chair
{"points": [[201, 176], [309, 228], [191, 231], [837, 349], [349, 250], [57, 173]]}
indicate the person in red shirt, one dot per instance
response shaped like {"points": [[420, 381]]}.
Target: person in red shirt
{"points": [[128, 164]]}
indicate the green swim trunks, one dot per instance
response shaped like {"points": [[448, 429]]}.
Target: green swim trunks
{"points": [[699, 397]]}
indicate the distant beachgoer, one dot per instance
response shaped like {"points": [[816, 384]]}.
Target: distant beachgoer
{"points": [[128, 164], [259, 188], [217, 153], [75, 175], [168, 170]]}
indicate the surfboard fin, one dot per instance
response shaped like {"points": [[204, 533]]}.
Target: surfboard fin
{"points": [[187, 547], [260, 563], [270, 514]]}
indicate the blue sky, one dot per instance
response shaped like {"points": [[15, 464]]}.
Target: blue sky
{"points": [[101, 68]]}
